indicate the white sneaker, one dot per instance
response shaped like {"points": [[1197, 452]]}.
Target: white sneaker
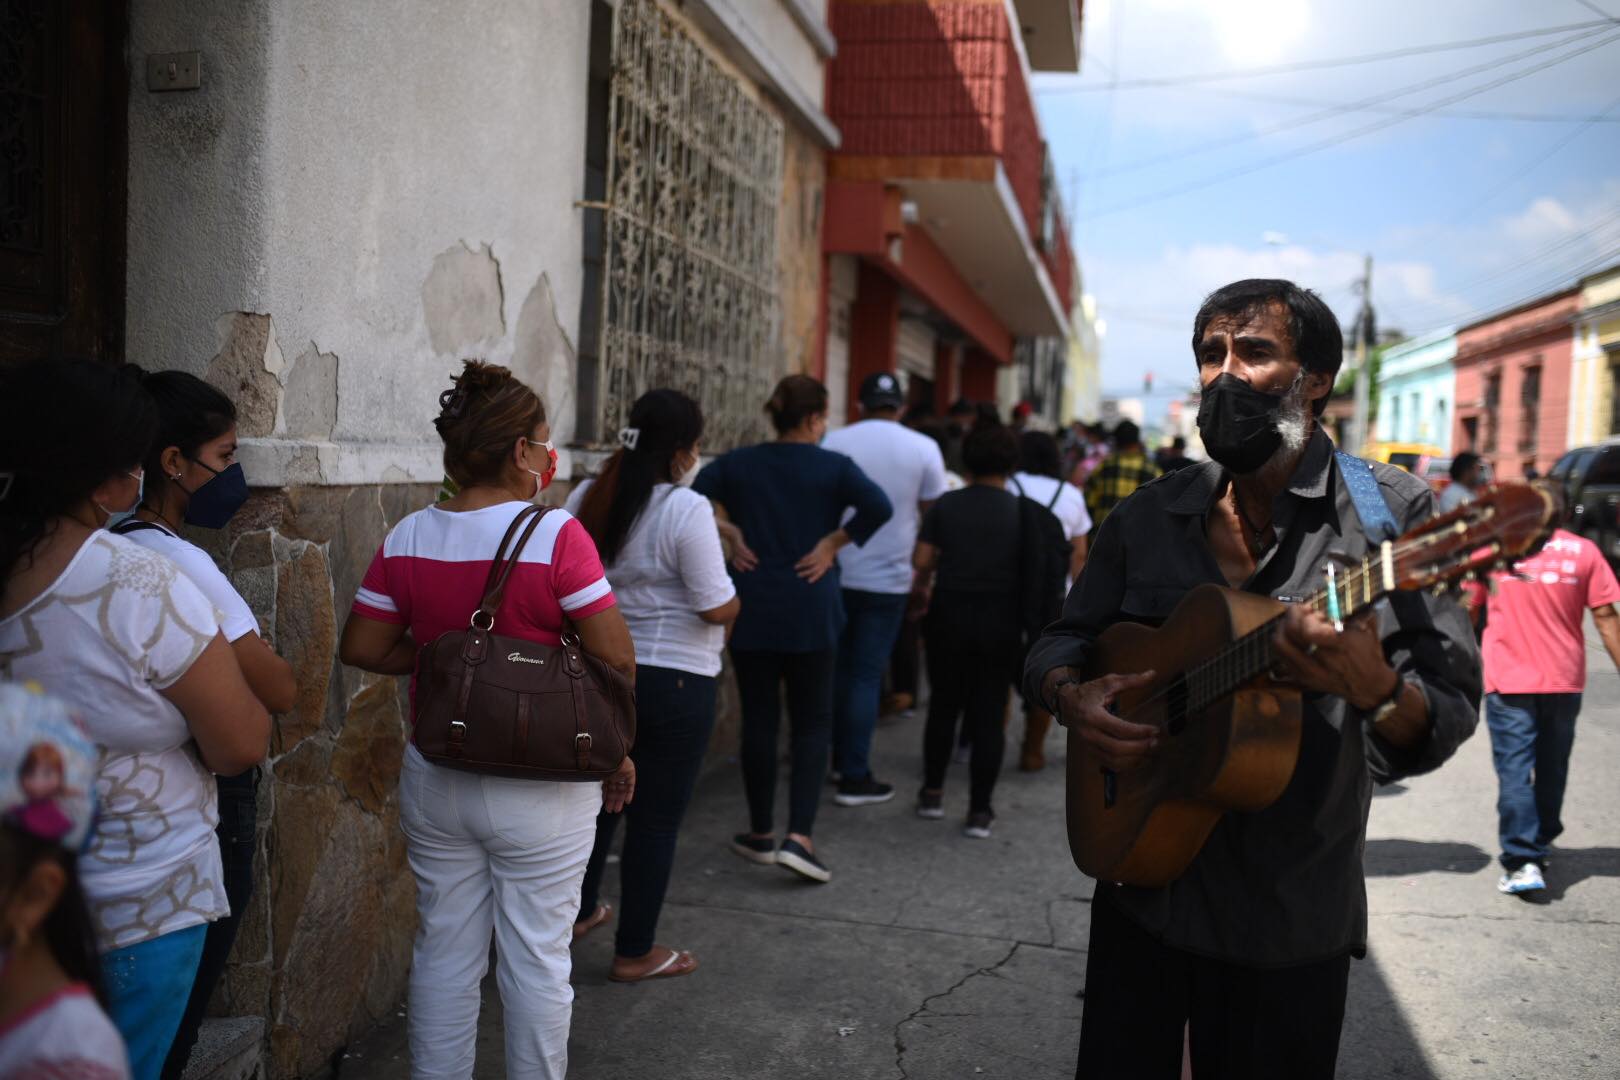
{"points": [[1526, 878]]}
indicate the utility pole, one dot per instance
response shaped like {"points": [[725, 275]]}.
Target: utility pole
{"points": [[1364, 322]]}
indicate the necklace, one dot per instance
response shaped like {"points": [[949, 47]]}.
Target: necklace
{"points": [[1261, 538]]}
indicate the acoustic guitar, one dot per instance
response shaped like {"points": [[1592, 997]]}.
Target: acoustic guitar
{"points": [[1233, 729]]}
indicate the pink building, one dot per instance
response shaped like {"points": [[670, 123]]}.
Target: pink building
{"points": [[1513, 385]]}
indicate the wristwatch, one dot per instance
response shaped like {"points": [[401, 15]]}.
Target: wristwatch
{"points": [[1068, 679], [1390, 703]]}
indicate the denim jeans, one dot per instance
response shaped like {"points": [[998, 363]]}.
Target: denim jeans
{"points": [[502, 856], [863, 652], [238, 839], [760, 676], [1531, 737], [674, 718], [147, 988]]}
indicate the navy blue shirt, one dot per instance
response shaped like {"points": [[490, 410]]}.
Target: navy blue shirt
{"points": [[785, 496]]}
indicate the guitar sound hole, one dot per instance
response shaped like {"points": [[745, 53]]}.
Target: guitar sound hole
{"points": [[1176, 709]]}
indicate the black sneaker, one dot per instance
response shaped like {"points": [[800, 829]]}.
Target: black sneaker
{"points": [[931, 805], [792, 856], [754, 849], [862, 792], [978, 825]]}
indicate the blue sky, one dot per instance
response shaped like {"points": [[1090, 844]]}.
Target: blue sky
{"points": [[1463, 214]]}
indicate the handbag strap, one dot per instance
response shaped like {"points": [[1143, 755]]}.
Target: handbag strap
{"points": [[500, 569]]}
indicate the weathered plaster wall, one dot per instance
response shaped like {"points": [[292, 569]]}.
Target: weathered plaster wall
{"points": [[394, 192], [359, 195]]}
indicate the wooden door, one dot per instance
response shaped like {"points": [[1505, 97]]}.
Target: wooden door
{"points": [[63, 94]]}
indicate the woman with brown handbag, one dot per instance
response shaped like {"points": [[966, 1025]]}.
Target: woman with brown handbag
{"points": [[491, 853]]}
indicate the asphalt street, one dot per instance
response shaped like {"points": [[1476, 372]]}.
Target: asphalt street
{"points": [[931, 955]]}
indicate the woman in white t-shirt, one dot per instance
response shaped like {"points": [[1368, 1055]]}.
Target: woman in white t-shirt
{"points": [[1040, 466], [661, 549], [192, 476], [131, 645]]}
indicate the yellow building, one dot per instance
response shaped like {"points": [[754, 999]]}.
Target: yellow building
{"points": [[1594, 377]]}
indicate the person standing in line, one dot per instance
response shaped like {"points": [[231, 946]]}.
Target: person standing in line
{"points": [[1465, 475], [491, 854], [132, 647], [658, 543], [788, 499], [192, 476], [1037, 479], [876, 577], [968, 554], [1120, 473], [1535, 673]]}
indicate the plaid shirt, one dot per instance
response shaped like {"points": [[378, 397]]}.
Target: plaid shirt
{"points": [[1110, 483]]}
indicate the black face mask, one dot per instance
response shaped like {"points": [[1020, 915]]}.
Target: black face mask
{"points": [[214, 504], [1239, 423]]}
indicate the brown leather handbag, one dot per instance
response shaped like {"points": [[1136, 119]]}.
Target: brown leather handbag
{"points": [[507, 706]]}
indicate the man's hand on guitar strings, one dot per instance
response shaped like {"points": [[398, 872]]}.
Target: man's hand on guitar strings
{"points": [[1314, 656], [1083, 707]]}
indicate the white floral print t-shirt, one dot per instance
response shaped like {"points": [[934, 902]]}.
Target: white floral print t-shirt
{"points": [[120, 624]]}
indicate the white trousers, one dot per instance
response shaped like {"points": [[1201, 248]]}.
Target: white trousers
{"points": [[503, 856]]}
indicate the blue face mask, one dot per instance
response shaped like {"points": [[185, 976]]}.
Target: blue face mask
{"points": [[116, 519], [214, 504]]}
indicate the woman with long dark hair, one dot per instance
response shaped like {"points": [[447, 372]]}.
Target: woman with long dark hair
{"points": [[661, 550], [789, 498], [192, 476], [134, 648]]}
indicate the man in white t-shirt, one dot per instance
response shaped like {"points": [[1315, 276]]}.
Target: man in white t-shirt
{"points": [[876, 577]]}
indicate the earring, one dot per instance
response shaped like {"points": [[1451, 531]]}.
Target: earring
{"points": [[176, 476]]}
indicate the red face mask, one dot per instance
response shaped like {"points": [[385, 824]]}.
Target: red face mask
{"points": [[542, 480]]}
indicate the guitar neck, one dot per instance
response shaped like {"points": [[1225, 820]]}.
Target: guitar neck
{"points": [[1350, 590]]}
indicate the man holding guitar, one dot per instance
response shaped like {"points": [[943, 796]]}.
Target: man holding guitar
{"points": [[1250, 943]]}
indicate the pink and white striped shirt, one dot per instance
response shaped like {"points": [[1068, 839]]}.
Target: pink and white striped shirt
{"points": [[429, 574]]}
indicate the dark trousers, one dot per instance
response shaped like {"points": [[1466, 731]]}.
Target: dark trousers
{"points": [[674, 719], [971, 683], [1531, 738], [238, 838], [905, 662], [1245, 1023], [809, 679], [871, 622]]}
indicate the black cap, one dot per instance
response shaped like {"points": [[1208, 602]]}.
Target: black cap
{"points": [[881, 391]]}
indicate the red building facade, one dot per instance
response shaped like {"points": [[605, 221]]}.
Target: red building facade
{"points": [[1513, 376], [941, 192]]}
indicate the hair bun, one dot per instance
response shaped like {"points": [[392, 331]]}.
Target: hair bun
{"points": [[477, 375]]}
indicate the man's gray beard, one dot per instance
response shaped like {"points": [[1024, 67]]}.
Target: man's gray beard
{"points": [[1294, 423]]}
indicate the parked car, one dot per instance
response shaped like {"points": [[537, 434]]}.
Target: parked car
{"points": [[1429, 463], [1590, 477]]}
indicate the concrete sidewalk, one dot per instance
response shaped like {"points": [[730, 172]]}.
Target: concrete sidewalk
{"points": [[933, 956]]}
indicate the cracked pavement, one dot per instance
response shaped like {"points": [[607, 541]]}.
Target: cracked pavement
{"points": [[930, 956]]}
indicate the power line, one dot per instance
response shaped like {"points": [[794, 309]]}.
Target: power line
{"points": [[1317, 65], [1530, 166], [1389, 110], [1335, 110], [1366, 129], [1589, 6]]}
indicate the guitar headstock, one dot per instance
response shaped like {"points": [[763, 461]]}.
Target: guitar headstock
{"points": [[1503, 523]]}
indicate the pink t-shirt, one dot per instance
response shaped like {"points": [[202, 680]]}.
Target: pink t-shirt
{"points": [[1534, 639], [429, 574]]}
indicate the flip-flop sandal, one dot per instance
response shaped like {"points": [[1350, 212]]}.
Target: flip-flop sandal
{"points": [[678, 963], [602, 914]]}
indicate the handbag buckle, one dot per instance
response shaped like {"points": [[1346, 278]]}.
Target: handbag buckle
{"points": [[458, 729], [585, 749], [488, 624]]}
